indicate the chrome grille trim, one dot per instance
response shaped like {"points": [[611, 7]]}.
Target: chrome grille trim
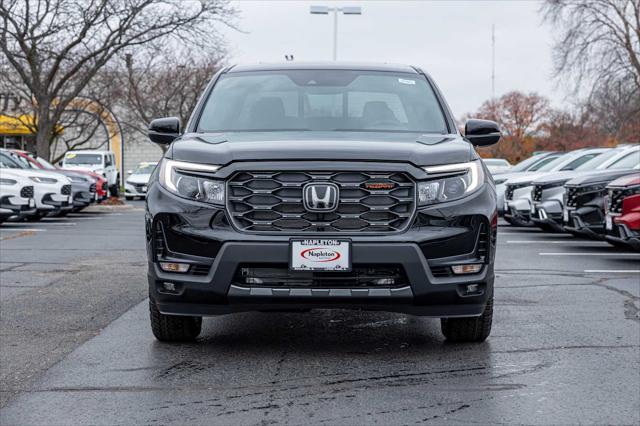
{"points": [[271, 202]]}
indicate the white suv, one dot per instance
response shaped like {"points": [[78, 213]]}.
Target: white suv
{"points": [[16, 195], [52, 191], [100, 162]]}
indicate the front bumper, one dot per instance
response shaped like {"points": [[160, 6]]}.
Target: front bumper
{"points": [[621, 234], [548, 214], [587, 222], [202, 236], [134, 190], [26, 208]]}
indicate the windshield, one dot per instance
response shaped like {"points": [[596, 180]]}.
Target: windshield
{"points": [[322, 100], [74, 158], [525, 164], [541, 164], [44, 163], [144, 168], [551, 165], [7, 162]]}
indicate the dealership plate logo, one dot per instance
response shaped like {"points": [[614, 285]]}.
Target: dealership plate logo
{"points": [[321, 197], [320, 255]]}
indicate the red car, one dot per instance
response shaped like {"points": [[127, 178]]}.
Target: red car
{"points": [[102, 192], [623, 212]]}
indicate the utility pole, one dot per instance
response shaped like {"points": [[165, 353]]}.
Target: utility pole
{"points": [[346, 10], [493, 61]]}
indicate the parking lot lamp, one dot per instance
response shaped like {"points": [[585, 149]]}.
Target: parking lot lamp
{"points": [[345, 10]]}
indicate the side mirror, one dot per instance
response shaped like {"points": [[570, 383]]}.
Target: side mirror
{"points": [[163, 131], [482, 132]]}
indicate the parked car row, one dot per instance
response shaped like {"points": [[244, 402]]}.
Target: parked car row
{"points": [[32, 188], [590, 192]]}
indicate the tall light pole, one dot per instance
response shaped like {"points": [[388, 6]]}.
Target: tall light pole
{"points": [[346, 10]]}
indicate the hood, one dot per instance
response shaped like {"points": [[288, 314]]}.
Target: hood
{"points": [[415, 148], [83, 167], [629, 180], [525, 178], [557, 177], [139, 178], [600, 177], [78, 174], [35, 172]]}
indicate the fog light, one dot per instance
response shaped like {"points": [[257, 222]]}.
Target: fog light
{"points": [[169, 286], [174, 267], [542, 214], [466, 269], [473, 289]]}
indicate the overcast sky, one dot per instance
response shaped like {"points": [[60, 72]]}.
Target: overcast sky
{"points": [[451, 40]]}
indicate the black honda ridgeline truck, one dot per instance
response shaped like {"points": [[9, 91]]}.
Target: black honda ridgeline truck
{"points": [[301, 186]]}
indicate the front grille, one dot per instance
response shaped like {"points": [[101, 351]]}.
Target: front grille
{"points": [[66, 190], [508, 194], [26, 192], [140, 187], [361, 276], [272, 202], [92, 188], [537, 193], [617, 196], [572, 194]]}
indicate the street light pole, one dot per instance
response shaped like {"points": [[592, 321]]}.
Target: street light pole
{"points": [[346, 10]]}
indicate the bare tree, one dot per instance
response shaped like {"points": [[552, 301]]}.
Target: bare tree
{"points": [[52, 49], [599, 41], [162, 82]]}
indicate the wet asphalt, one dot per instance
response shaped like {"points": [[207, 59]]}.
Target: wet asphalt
{"points": [[76, 347]]}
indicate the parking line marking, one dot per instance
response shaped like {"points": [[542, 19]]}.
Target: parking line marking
{"points": [[23, 229], [554, 242], [589, 254], [613, 271]]}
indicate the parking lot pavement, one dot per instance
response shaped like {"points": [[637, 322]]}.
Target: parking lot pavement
{"points": [[565, 347]]}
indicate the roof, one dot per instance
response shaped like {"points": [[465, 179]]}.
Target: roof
{"points": [[360, 66]]}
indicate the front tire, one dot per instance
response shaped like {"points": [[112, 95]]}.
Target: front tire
{"points": [[173, 328], [473, 329]]}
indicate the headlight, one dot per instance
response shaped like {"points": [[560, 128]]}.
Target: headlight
{"points": [[7, 181], [450, 182], [189, 180], [594, 188], [76, 179], [41, 179]]}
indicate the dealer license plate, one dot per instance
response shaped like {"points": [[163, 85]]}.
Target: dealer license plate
{"points": [[320, 255], [32, 202], [565, 215], [609, 222]]}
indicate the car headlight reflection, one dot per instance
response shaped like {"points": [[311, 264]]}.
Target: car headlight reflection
{"points": [[451, 182], [189, 180]]}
